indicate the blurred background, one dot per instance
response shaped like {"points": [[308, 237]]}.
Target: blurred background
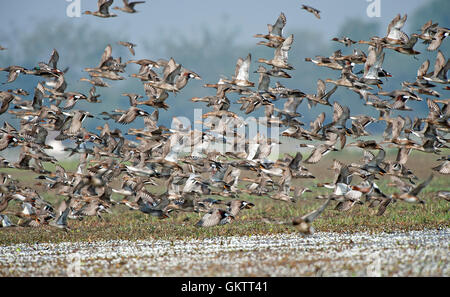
{"points": [[208, 37]]}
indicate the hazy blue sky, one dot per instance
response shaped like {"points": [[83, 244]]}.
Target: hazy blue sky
{"points": [[188, 16], [160, 21]]}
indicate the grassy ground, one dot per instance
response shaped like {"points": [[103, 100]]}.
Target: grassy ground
{"points": [[133, 225]]}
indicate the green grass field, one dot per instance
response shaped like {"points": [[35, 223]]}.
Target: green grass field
{"points": [[127, 224]]}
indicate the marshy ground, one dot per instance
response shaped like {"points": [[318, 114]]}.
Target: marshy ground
{"points": [[412, 239], [415, 253]]}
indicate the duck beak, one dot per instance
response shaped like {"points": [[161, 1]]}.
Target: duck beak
{"points": [[248, 205]]}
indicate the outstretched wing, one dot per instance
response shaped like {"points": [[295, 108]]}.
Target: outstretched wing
{"points": [[420, 187], [314, 214], [379, 158], [106, 55], [277, 28], [103, 6], [242, 72], [281, 53], [54, 58], [62, 219], [422, 71]]}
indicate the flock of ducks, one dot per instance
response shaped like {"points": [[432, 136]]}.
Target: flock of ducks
{"points": [[104, 5], [158, 155]]}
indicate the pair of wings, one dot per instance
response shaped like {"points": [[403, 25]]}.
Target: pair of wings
{"points": [[103, 6], [281, 52]]}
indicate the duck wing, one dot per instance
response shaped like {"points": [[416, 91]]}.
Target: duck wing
{"points": [[277, 28], [242, 68], [420, 187], [310, 217]]}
